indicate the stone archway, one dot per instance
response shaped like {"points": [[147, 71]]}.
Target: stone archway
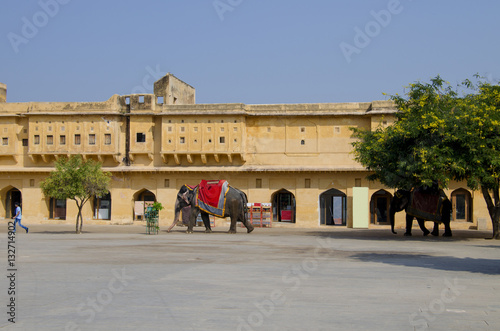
{"points": [[142, 199], [379, 207], [284, 205], [333, 207], [10, 195]]}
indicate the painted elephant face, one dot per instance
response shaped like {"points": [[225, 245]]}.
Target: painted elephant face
{"points": [[184, 197]]}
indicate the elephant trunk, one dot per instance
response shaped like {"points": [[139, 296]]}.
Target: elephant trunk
{"points": [[176, 218], [392, 212]]}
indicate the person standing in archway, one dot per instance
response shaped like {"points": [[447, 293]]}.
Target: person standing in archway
{"points": [[17, 218]]}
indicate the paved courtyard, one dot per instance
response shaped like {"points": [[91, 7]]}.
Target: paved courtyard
{"points": [[119, 278]]}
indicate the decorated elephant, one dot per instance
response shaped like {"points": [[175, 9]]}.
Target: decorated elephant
{"points": [[212, 197], [424, 204]]}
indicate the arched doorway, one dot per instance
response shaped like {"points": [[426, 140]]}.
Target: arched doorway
{"points": [[11, 197], [461, 200], [57, 209], [102, 207], [333, 207], [379, 207], [283, 203], [142, 200]]}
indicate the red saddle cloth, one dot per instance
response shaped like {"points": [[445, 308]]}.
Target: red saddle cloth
{"points": [[425, 205], [211, 196]]}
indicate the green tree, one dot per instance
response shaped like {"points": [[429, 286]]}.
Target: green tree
{"points": [[439, 136], [77, 180]]}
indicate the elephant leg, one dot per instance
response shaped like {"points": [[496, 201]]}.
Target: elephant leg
{"points": [[435, 231], [206, 222], [246, 223], [232, 227], [421, 224], [409, 224], [192, 219], [447, 230]]}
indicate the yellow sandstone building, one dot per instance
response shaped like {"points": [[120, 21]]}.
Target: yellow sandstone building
{"points": [[297, 157]]}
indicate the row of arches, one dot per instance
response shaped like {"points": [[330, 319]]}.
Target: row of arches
{"points": [[332, 203]]}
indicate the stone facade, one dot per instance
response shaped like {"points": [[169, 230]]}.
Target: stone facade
{"points": [[295, 156]]}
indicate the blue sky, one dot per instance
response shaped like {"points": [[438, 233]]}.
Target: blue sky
{"points": [[248, 51]]}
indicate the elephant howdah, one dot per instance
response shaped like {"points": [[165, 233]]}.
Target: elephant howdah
{"points": [[212, 197], [426, 205]]}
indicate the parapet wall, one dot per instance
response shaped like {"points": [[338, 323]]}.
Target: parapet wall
{"points": [[3, 92]]}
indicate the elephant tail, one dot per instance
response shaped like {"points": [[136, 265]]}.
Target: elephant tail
{"points": [[245, 207]]}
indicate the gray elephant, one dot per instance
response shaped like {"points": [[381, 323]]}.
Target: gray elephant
{"points": [[233, 205], [402, 201]]}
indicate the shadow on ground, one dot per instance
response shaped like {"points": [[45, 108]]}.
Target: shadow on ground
{"points": [[447, 263], [386, 235]]}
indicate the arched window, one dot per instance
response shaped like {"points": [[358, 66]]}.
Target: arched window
{"points": [[283, 203], [333, 207], [379, 207], [461, 200], [142, 199], [12, 196]]}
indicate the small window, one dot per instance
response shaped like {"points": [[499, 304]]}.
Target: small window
{"points": [[36, 140], [235, 129], [50, 128], [195, 129], [302, 142], [302, 129], [166, 183], [182, 140], [140, 137], [222, 129], [159, 100], [50, 140], [62, 140], [336, 129], [141, 98], [222, 140], [25, 142], [258, 183], [91, 139], [209, 129], [77, 139], [5, 141], [307, 183], [107, 139], [183, 129], [127, 100], [62, 128], [169, 129]]}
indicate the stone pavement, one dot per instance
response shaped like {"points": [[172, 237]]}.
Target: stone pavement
{"points": [[119, 278]]}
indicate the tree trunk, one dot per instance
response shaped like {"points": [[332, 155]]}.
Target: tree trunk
{"points": [[81, 221], [79, 218], [493, 209]]}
